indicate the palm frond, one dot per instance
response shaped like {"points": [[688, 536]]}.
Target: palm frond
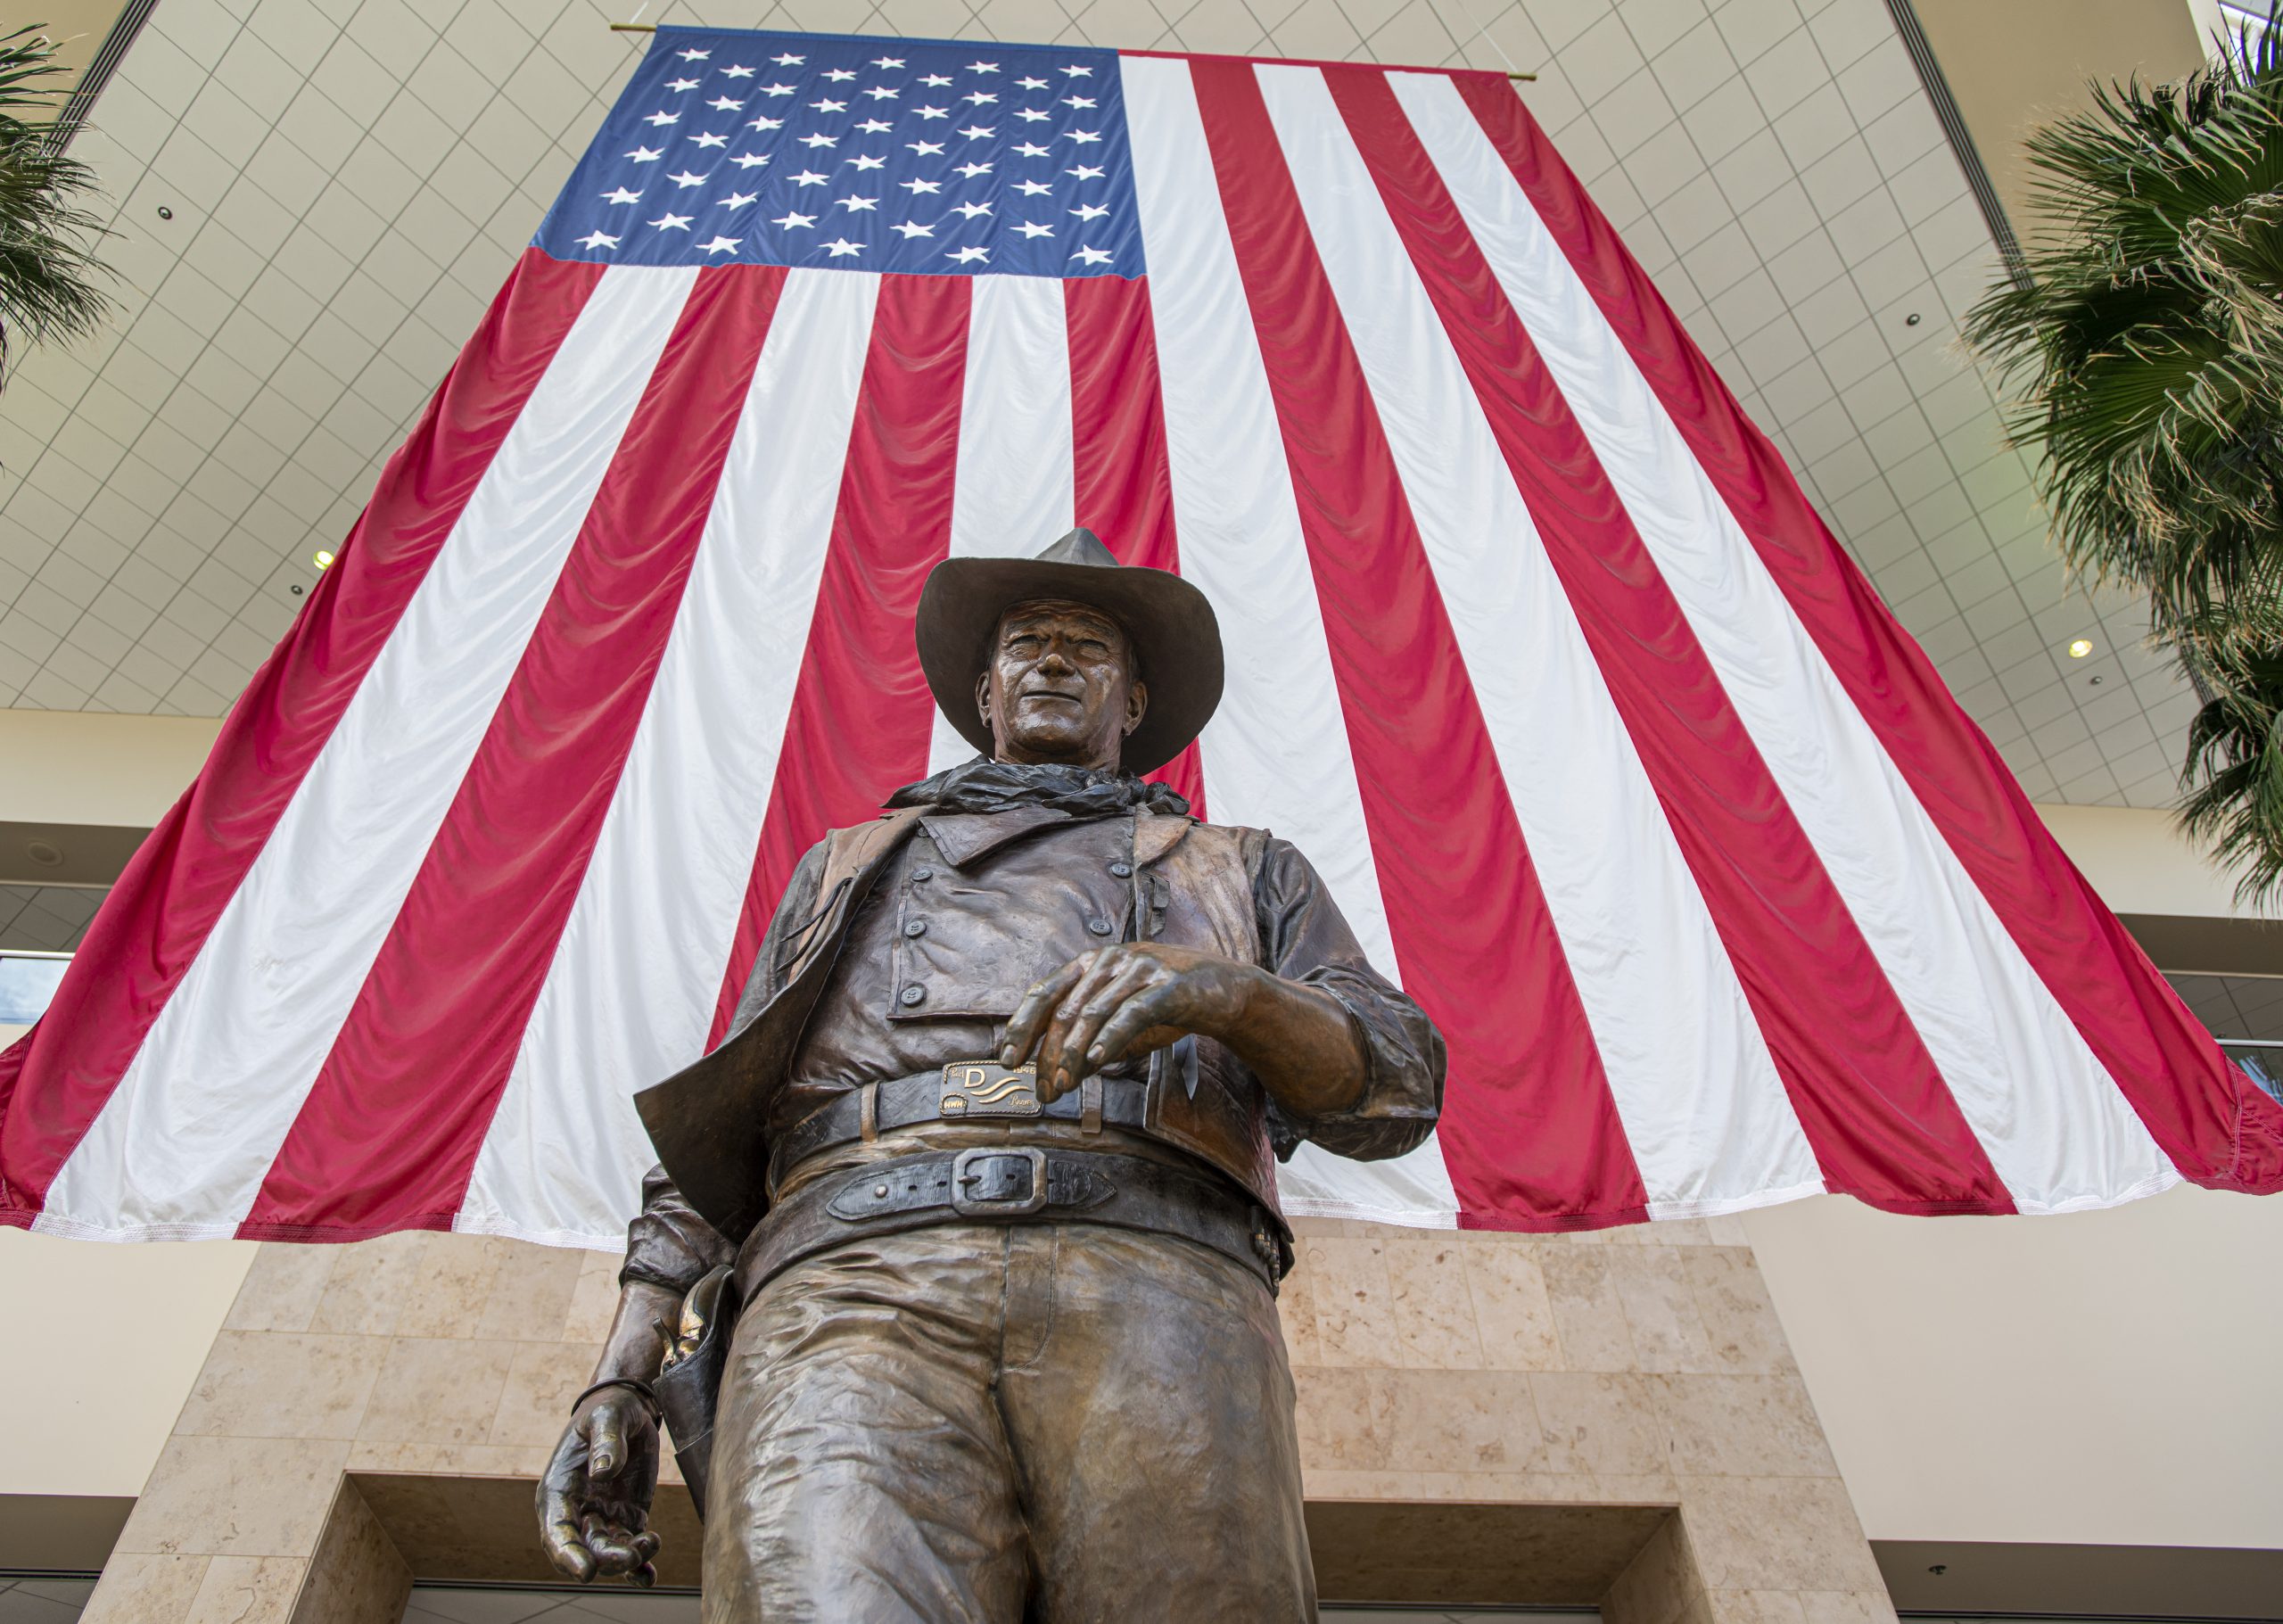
{"points": [[51, 281]]}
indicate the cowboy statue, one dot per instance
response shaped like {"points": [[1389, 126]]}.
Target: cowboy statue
{"points": [[971, 1222]]}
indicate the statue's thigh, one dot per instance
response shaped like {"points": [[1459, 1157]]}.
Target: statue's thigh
{"points": [[1152, 1417], [860, 1471]]}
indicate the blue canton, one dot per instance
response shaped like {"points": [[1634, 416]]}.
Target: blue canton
{"points": [[859, 154]]}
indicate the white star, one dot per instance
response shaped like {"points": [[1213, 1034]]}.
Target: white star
{"points": [[924, 148], [681, 84], [933, 112], [1077, 101], [912, 228], [621, 195], [972, 169], [817, 141], [935, 78], [643, 154], [972, 210], [793, 221], [724, 103], [711, 140], [963, 255], [720, 245], [1035, 188], [917, 186], [1090, 212], [979, 97], [1093, 256], [738, 199], [1031, 115], [1084, 136], [776, 90], [1084, 173], [1079, 73], [663, 118], [745, 160], [693, 56], [809, 177], [859, 205], [766, 123], [840, 73], [829, 106], [841, 247], [976, 132], [864, 160], [1032, 228], [888, 62], [597, 239], [983, 67], [788, 61], [874, 126], [1030, 150], [737, 73], [882, 92], [671, 222], [686, 179], [1030, 83]]}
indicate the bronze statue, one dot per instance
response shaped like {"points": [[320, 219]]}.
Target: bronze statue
{"points": [[974, 1214]]}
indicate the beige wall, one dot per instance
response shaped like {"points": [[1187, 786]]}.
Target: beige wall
{"points": [[71, 767], [2014, 64]]}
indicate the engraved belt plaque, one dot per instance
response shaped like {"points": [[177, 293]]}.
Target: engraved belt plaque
{"points": [[979, 1088]]}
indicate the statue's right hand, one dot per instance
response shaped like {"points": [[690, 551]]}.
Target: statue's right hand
{"points": [[593, 1499]]}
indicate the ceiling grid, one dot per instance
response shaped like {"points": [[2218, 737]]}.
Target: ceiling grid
{"points": [[348, 182]]}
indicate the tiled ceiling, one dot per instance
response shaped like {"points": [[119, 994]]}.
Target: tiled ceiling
{"points": [[348, 181]]}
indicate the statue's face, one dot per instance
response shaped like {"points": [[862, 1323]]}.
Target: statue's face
{"points": [[1060, 687]]}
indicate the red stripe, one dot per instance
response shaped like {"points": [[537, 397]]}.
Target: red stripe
{"points": [[158, 915], [2216, 1127], [390, 1133], [1868, 1096], [1529, 1129], [1124, 486], [861, 716]]}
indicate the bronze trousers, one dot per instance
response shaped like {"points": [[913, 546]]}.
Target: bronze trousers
{"points": [[1034, 1423]]}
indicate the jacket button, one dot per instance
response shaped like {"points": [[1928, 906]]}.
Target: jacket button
{"points": [[1100, 928], [916, 928], [923, 874], [1123, 870], [911, 995]]}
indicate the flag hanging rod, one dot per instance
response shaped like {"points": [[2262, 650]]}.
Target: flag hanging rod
{"points": [[652, 28]]}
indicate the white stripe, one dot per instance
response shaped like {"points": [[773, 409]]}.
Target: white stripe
{"points": [[187, 1138], [631, 994], [2054, 1125], [1277, 754], [1704, 1110], [1015, 487]]}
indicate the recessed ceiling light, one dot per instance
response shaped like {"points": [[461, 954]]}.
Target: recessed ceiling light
{"points": [[1912, 320], [325, 560], [2079, 649]]}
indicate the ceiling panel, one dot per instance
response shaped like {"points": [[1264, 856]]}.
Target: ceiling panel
{"points": [[349, 180]]}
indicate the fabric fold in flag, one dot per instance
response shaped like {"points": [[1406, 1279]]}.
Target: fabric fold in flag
{"points": [[1535, 650]]}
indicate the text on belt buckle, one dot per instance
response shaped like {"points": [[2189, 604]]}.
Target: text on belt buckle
{"points": [[988, 1182], [978, 1088]]}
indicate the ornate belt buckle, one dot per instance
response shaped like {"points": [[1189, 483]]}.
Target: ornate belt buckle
{"points": [[991, 1183], [978, 1088]]}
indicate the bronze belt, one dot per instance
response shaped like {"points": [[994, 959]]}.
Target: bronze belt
{"points": [[1006, 1184], [965, 1090]]}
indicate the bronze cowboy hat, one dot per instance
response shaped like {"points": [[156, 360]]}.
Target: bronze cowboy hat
{"points": [[1177, 640]]}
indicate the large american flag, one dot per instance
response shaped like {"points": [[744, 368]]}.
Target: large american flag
{"points": [[1535, 649]]}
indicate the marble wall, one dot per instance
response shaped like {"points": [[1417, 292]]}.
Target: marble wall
{"points": [[1609, 1417]]}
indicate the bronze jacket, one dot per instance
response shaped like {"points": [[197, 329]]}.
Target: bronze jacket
{"points": [[903, 945]]}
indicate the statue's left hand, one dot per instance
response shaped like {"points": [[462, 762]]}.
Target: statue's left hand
{"points": [[594, 1498], [1125, 1000]]}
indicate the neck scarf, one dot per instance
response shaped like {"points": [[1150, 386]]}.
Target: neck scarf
{"points": [[985, 786]]}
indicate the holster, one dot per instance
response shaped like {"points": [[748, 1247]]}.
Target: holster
{"points": [[689, 1382]]}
